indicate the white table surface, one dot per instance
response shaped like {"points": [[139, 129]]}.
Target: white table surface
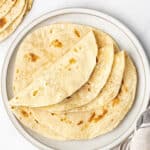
{"points": [[135, 14]]}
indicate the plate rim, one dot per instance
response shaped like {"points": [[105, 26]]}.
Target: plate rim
{"points": [[54, 13]]}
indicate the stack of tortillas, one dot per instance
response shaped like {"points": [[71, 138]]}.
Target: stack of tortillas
{"points": [[72, 82], [12, 13]]}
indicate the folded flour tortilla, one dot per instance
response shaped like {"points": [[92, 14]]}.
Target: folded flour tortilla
{"points": [[47, 44], [63, 78]]}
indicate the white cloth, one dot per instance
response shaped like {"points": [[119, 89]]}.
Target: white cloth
{"points": [[141, 140]]}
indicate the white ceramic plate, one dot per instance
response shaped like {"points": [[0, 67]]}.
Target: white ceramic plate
{"points": [[126, 41]]}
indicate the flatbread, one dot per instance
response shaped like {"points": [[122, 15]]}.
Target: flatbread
{"points": [[38, 42], [6, 7], [12, 27], [95, 83], [70, 72], [89, 124], [12, 15], [101, 115]]}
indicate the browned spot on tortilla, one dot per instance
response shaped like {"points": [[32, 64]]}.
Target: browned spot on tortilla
{"points": [[56, 43], [72, 61], [24, 113], [99, 117], [68, 97], [80, 122], [115, 101], [89, 89], [77, 33], [91, 117], [36, 121], [2, 22], [12, 107], [96, 60], [35, 93], [62, 119], [88, 83], [31, 57], [52, 114], [17, 97]]}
